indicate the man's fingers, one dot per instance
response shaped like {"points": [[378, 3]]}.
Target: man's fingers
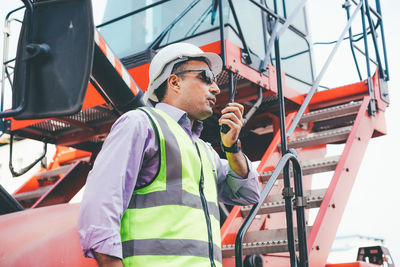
{"points": [[233, 117], [234, 107], [234, 110], [233, 126], [232, 135], [232, 121], [233, 113], [234, 104]]}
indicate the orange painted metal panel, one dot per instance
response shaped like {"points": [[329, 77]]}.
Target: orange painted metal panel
{"points": [[30, 185], [273, 147], [65, 154], [229, 228], [141, 74], [18, 124], [339, 95], [233, 62], [92, 98], [212, 47]]}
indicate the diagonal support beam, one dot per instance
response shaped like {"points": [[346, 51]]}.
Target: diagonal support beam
{"points": [[332, 207]]}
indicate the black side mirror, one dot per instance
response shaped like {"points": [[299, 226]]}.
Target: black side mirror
{"points": [[54, 59]]}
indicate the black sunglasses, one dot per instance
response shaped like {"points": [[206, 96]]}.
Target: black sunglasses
{"points": [[206, 76]]}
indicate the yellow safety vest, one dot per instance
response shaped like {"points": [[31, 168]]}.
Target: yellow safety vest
{"points": [[174, 221]]}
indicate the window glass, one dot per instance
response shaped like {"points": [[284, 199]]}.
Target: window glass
{"points": [[197, 20], [252, 28], [288, 6], [299, 21], [295, 61], [135, 33]]}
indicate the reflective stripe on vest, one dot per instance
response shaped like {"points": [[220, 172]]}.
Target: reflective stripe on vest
{"points": [[168, 247], [165, 223]]}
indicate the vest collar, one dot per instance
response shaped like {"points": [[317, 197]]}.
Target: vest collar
{"points": [[182, 119]]}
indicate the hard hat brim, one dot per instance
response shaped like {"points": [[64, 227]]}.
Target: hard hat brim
{"points": [[214, 62]]}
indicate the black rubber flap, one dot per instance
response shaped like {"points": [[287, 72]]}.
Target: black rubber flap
{"points": [[54, 59]]}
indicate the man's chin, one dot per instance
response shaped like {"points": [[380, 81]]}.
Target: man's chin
{"points": [[206, 114]]}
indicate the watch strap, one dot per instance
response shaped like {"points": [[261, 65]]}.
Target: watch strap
{"points": [[235, 148]]}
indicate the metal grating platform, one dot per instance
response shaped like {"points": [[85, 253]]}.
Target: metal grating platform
{"points": [[88, 125]]}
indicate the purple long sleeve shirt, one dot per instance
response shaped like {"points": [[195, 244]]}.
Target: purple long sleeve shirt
{"points": [[129, 158]]}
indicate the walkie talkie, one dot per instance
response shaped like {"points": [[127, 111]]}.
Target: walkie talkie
{"points": [[225, 128], [232, 89]]}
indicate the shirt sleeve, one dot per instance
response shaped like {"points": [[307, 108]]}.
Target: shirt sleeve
{"points": [[110, 184], [232, 188]]}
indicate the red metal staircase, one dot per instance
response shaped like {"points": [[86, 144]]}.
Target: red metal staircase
{"points": [[346, 122]]}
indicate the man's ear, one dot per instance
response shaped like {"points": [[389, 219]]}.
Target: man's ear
{"points": [[174, 83]]}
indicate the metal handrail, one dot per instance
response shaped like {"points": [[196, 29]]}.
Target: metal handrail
{"points": [[255, 107], [377, 14], [322, 72], [131, 13], [372, 105], [284, 149], [371, 25], [29, 6], [290, 156], [222, 34], [246, 54], [346, 5], [282, 165], [363, 53], [378, 9], [7, 34], [23, 170], [275, 34]]}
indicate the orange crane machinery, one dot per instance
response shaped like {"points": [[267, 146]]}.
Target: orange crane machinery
{"points": [[73, 79]]}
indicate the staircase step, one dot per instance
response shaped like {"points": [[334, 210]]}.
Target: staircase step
{"points": [[31, 195], [67, 186], [261, 242], [308, 167], [325, 137], [331, 112], [276, 203], [51, 173], [46, 181]]}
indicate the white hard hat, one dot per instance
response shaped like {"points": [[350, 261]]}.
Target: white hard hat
{"points": [[162, 64]]}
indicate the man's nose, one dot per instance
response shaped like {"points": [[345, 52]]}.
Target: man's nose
{"points": [[214, 89]]}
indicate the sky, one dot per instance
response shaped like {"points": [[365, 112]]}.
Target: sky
{"points": [[372, 209]]}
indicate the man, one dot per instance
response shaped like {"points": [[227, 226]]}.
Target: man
{"points": [[152, 196]]}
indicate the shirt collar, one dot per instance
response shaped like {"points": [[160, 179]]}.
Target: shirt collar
{"points": [[182, 119]]}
